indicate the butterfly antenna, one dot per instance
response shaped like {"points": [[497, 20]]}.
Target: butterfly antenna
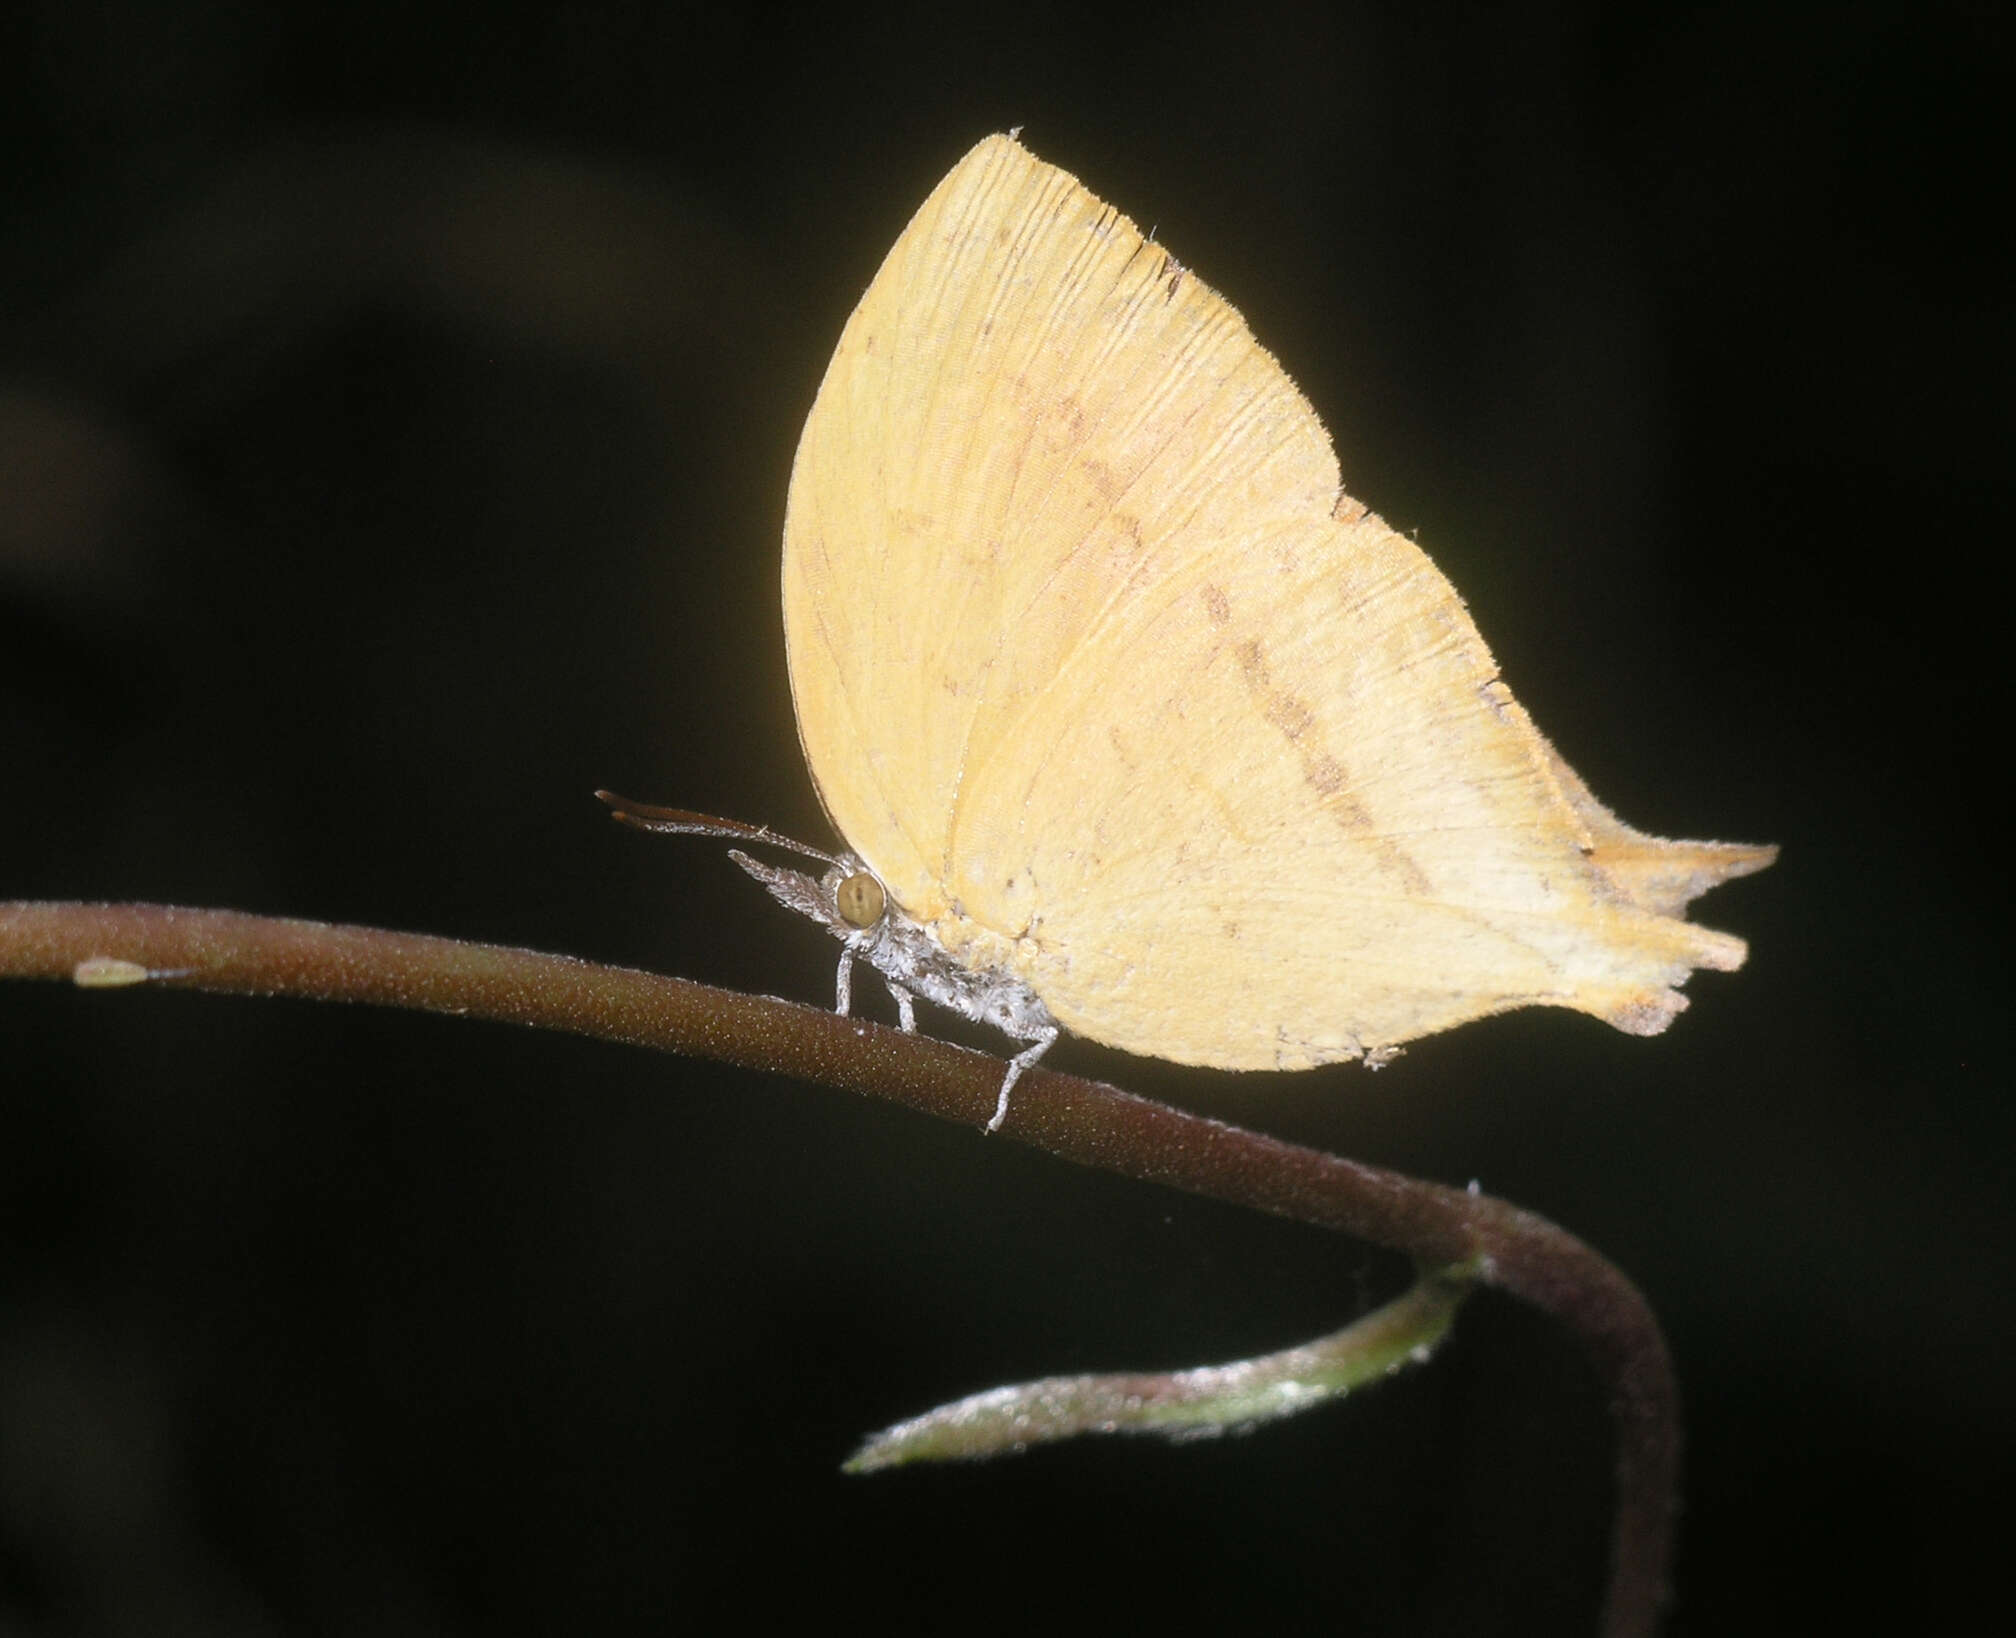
{"points": [[677, 821]]}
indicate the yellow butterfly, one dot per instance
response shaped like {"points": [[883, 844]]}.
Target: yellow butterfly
{"points": [[1133, 722]]}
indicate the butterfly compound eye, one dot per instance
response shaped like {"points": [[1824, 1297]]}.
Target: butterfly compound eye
{"points": [[860, 900]]}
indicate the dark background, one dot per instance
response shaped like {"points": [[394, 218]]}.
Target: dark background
{"points": [[396, 404]]}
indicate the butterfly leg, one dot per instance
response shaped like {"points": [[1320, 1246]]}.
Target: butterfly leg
{"points": [[843, 1001], [1021, 1061]]}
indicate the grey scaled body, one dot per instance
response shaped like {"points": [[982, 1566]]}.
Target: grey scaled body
{"points": [[913, 963]]}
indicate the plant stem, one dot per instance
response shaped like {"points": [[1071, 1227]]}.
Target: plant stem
{"points": [[1077, 1120]]}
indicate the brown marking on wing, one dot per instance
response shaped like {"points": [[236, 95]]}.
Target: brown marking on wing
{"points": [[1322, 771]]}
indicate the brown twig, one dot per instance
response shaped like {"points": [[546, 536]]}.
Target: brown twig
{"points": [[1078, 1120]]}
